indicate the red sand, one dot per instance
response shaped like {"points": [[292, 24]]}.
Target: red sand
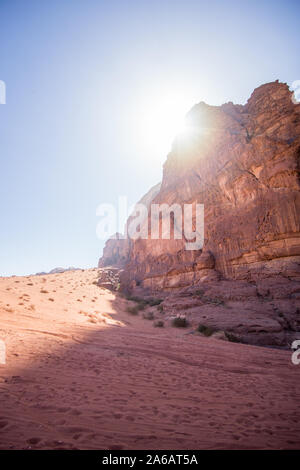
{"points": [[82, 373]]}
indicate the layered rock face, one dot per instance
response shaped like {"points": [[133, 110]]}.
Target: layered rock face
{"points": [[117, 249], [242, 163]]}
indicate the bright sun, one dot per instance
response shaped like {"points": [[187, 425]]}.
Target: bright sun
{"points": [[161, 120]]}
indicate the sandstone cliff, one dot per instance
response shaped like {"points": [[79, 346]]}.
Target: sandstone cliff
{"points": [[117, 249], [242, 163]]}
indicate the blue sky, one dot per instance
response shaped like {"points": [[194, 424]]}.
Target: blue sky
{"points": [[81, 78]]}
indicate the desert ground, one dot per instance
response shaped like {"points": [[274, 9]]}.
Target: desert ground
{"points": [[82, 373]]}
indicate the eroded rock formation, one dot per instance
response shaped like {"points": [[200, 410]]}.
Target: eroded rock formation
{"points": [[117, 249], [242, 163]]}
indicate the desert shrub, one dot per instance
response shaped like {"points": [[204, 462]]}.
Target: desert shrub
{"points": [[199, 292], [134, 298], [231, 337], [153, 302], [180, 322], [158, 324], [133, 310], [141, 303], [148, 315], [206, 330], [44, 291], [214, 301]]}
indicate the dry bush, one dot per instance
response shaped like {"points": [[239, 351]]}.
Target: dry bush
{"points": [[133, 310], [148, 315], [206, 330], [153, 302], [180, 322], [232, 338]]}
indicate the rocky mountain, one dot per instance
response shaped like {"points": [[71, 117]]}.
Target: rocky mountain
{"points": [[117, 249], [242, 162]]}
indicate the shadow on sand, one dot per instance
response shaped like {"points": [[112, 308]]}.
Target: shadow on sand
{"points": [[131, 386]]}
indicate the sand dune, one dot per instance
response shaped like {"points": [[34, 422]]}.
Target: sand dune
{"points": [[81, 373]]}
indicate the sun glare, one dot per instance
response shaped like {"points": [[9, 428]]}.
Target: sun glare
{"points": [[162, 120]]}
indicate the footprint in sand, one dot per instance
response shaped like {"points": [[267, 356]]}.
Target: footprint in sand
{"points": [[75, 412], [63, 409], [34, 440]]}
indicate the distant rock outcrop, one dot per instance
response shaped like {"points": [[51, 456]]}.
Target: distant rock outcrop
{"points": [[117, 249], [58, 271]]}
